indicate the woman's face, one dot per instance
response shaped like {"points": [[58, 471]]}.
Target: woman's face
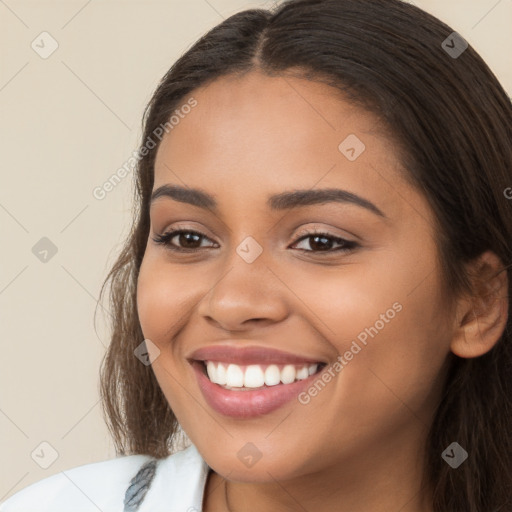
{"points": [[373, 314]]}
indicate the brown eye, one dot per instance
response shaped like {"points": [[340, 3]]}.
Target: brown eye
{"points": [[187, 240], [323, 242], [181, 240]]}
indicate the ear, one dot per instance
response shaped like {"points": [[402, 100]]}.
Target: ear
{"points": [[481, 319]]}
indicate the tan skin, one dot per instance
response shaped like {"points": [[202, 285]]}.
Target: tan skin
{"points": [[359, 444]]}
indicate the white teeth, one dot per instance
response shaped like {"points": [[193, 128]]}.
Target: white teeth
{"points": [[256, 376], [211, 370], [288, 374], [303, 373], [221, 374], [234, 376], [272, 375], [216, 372]]}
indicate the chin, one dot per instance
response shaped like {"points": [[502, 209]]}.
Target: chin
{"points": [[266, 469]]}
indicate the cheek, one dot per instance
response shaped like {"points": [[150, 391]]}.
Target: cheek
{"points": [[393, 341], [154, 297], [159, 304], [161, 299]]}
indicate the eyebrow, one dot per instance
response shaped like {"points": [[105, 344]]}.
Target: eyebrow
{"points": [[277, 202]]}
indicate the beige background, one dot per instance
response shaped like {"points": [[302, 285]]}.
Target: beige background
{"points": [[68, 123]]}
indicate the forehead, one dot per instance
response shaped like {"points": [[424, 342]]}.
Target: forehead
{"points": [[258, 134], [255, 112]]}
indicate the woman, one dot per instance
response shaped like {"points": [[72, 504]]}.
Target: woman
{"points": [[315, 289]]}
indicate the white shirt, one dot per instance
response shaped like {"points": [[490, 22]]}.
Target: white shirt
{"points": [[178, 486]]}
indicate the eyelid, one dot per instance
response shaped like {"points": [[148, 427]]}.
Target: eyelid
{"points": [[347, 245], [325, 231], [184, 226]]}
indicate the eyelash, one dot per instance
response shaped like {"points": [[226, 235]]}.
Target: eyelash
{"points": [[165, 239]]}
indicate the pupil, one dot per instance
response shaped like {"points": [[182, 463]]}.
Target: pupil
{"points": [[317, 237], [186, 236]]}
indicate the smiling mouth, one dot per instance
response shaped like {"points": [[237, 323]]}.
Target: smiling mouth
{"points": [[252, 377]]}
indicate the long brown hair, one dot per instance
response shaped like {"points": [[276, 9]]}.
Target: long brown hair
{"points": [[452, 123]]}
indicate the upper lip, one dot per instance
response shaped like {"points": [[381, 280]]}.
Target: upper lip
{"points": [[249, 355]]}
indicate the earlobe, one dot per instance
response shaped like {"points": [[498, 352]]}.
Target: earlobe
{"points": [[481, 319]]}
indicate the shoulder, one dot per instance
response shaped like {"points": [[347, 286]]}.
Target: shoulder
{"points": [[177, 479], [178, 484], [95, 486]]}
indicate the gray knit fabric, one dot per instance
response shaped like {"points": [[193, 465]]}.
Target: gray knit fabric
{"points": [[139, 486]]}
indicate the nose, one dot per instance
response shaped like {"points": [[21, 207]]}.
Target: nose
{"points": [[245, 295]]}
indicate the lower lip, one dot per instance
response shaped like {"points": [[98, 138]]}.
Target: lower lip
{"points": [[248, 404]]}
